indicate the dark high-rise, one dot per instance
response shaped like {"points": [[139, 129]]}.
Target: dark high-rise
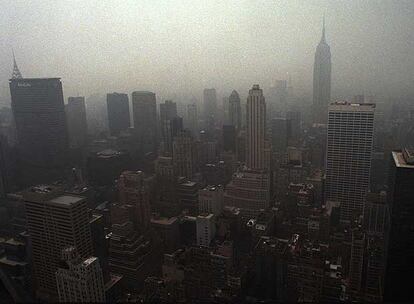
{"points": [[76, 119], [235, 110], [348, 156], [229, 138], [39, 114], [321, 80], [144, 107], [171, 124], [280, 134], [118, 112], [400, 262], [210, 108]]}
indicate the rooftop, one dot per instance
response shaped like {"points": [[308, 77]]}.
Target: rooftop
{"points": [[34, 79], [404, 158], [164, 220], [351, 106], [108, 153], [67, 200]]}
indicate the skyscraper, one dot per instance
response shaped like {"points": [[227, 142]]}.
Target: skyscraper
{"points": [[400, 263], [192, 119], [229, 138], [118, 112], [348, 160], [210, 108], [256, 128], [321, 79], [171, 124], [144, 106], [183, 154], [54, 221], [235, 110], [280, 134], [76, 118], [134, 191], [79, 280], [39, 113]]}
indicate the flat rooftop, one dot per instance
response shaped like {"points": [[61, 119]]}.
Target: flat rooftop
{"points": [[404, 161], [351, 106], [164, 220], [66, 200]]}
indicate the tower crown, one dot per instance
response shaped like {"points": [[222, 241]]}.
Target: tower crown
{"points": [[16, 72]]}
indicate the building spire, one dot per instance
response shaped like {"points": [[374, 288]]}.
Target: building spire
{"points": [[323, 39], [16, 73]]}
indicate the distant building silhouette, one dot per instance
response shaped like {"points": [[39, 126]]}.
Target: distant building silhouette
{"points": [[76, 119], [118, 113], [235, 110], [256, 128], [210, 108], [192, 119], [144, 106], [42, 136], [321, 80]]}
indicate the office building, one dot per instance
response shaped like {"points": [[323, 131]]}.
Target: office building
{"points": [[184, 154], [229, 138], [118, 113], [206, 229], [281, 128], [321, 80], [400, 264], [78, 279], [134, 190], [235, 110], [376, 226], [54, 222], [210, 200], [144, 107], [128, 254], [295, 125], [170, 123], [210, 108], [76, 119], [39, 114], [348, 159], [192, 119], [248, 190], [256, 128]]}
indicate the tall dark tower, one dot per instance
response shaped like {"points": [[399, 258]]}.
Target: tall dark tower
{"points": [[322, 80], [39, 113]]}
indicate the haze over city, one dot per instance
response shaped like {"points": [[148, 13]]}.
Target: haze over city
{"points": [[177, 48], [206, 151]]}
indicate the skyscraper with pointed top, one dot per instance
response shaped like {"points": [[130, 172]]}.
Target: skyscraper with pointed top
{"points": [[16, 72], [322, 80]]}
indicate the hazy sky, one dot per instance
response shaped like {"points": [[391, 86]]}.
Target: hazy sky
{"points": [[183, 46]]}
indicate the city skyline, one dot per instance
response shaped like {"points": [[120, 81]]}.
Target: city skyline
{"points": [[287, 38], [219, 164]]}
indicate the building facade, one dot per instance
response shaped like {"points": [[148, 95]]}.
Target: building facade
{"points": [[76, 118], [256, 128], [39, 114], [144, 107], [79, 280], [54, 221], [118, 112], [321, 80], [348, 157]]}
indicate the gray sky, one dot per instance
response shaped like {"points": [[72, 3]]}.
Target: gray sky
{"points": [[177, 46]]}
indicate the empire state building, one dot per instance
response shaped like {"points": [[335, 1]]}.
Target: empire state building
{"points": [[321, 80]]}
